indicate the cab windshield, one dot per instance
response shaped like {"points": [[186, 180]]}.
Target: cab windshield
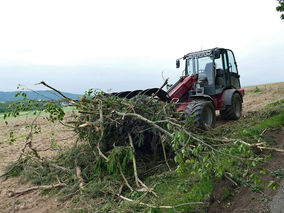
{"points": [[202, 66], [199, 65]]}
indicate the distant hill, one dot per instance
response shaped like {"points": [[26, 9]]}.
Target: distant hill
{"points": [[37, 95]]}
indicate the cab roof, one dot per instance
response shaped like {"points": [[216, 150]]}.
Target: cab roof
{"points": [[201, 53]]}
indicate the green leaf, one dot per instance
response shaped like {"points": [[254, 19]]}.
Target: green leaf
{"points": [[169, 126], [273, 185]]}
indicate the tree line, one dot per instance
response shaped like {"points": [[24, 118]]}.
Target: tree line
{"points": [[4, 106]]}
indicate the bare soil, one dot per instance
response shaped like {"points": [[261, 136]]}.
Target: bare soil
{"points": [[258, 96], [35, 202], [31, 202], [243, 199]]}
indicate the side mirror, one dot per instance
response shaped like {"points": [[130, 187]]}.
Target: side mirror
{"points": [[177, 63]]}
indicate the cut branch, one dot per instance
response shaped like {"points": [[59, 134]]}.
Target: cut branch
{"points": [[18, 193], [60, 93], [164, 84], [147, 188], [79, 176], [124, 178], [134, 160], [164, 152], [146, 120], [102, 154], [160, 207], [271, 148]]}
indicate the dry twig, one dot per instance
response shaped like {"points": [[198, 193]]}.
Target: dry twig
{"points": [[230, 179], [164, 152], [18, 193], [160, 207], [134, 160], [60, 93], [146, 120], [124, 178], [164, 84], [147, 188], [79, 176], [271, 148]]}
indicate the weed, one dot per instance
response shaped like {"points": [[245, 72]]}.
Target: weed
{"points": [[256, 189], [14, 170], [273, 185], [264, 199], [276, 174], [276, 103], [228, 194], [256, 90]]}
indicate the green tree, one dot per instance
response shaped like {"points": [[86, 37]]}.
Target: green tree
{"points": [[280, 8]]}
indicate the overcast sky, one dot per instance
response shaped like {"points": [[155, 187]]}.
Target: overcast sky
{"points": [[131, 44]]}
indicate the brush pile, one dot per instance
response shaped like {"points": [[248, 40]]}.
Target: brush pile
{"points": [[122, 144], [117, 128]]}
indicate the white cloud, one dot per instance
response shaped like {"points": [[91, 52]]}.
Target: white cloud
{"points": [[119, 34]]}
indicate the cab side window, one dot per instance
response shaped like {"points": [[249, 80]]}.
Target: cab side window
{"points": [[218, 63], [232, 64]]}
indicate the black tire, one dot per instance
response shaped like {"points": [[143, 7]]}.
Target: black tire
{"points": [[234, 111], [203, 114]]}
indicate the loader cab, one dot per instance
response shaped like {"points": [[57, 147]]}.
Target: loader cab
{"points": [[216, 68], [226, 70]]}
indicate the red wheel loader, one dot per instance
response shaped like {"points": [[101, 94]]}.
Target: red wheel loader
{"points": [[209, 82]]}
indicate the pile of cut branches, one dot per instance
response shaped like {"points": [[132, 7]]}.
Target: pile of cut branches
{"points": [[108, 123], [120, 141]]}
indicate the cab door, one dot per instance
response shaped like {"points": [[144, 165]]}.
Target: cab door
{"points": [[220, 71], [233, 77]]}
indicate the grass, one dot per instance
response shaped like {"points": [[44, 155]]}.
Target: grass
{"points": [[271, 118], [275, 122], [22, 114], [175, 189], [255, 90], [276, 103], [31, 113]]}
